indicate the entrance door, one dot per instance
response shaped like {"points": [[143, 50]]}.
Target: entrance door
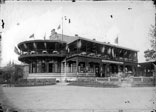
{"points": [[50, 67], [103, 70], [97, 73]]}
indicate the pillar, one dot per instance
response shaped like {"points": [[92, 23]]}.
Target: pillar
{"points": [[56, 66], [71, 68], [133, 70], [30, 65], [101, 69], [118, 68], [36, 67], [106, 70], [47, 67], [77, 65]]}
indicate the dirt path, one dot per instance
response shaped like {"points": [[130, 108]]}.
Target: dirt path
{"points": [[72, 97]]}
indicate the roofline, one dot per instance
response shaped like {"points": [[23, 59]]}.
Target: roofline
{"points": [[29, 41], [153, 61], [107, 44]]}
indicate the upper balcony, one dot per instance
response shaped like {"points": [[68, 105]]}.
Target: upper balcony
{"points": [[101, 50], [41, 49]]}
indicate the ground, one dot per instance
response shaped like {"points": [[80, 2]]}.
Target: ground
{"points": [[79, 99]]}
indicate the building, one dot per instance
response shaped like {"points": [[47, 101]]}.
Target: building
{"points": [[71, 57], [146, 69]]}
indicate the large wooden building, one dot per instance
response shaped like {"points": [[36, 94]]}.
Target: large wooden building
{"points": [[72, 57]]}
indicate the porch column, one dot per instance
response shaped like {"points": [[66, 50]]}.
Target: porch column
{"points": [[65, 67], [71, 67], [62, 67], [30, 68], [101, 69], [77, 65], [36, 67], [108, 69], [56, 67], [47, 67], [124, 69], [118, 68], [133, 70], [86, 68]]}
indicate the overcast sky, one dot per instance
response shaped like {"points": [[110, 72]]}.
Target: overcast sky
{"points": [[104, 21]]}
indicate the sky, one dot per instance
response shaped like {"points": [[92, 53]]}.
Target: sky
{"points": [[130, 21]]}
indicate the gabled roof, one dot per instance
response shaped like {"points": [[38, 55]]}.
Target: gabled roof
{"points": [[67, 39]]}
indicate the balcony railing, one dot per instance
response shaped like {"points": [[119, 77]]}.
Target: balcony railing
{"points": [[106, 57], [43, 52]]}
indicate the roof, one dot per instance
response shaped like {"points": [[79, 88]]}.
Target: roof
{"points": [[148, 62], [103, 43], [31, 41], [41, 44], [70, 39], [66, 38]]}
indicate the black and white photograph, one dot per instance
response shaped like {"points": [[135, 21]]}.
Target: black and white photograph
{"points": [[77, 56]]}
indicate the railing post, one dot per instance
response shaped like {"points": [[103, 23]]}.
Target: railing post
{"points": [[108, 79], [142, 79]]}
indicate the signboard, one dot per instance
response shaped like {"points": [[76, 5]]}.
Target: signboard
{"points": [[107, 61]]}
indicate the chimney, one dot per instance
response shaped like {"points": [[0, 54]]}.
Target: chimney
{"points": [[76, 35]]}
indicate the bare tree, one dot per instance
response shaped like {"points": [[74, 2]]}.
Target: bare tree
{"points": [[150, 54]]}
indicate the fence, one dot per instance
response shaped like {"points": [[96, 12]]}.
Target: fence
{"points": [[133, 81], [35, 82]]}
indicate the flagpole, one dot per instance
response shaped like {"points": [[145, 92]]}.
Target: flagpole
{"points": [[62, 28]]}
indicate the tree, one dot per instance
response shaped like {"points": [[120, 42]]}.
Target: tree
{"points": [[12, 73], [18, 72], [150, 54]]}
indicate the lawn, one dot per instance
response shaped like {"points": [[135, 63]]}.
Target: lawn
{"points": [[60, 98]]}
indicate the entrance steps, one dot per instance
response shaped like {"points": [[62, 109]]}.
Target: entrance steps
{"points": [[126, 83], [62, 83]]}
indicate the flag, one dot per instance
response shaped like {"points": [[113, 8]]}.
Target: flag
{"points": [[125, 53], [69, 21], [67, 48], [34, 45], [103, 49], [2, 23], [16, 51], [113, 54], [45, 45], [25, 46], [109, 51], [116, 40], [58, 27], [31, 36], [79, 44]]}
